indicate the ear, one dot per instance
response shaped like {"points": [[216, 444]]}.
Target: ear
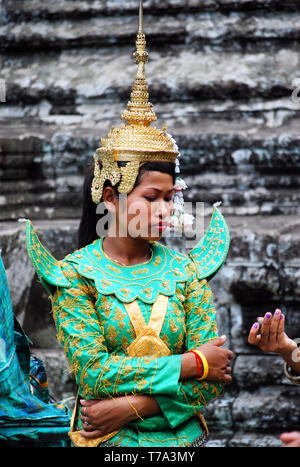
{"points": [[110, 199]]}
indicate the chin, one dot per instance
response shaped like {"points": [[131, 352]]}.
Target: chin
{"points": [[156, 235], [152, 234]]}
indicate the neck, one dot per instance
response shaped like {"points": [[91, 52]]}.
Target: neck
{"points": [[127, 250]]}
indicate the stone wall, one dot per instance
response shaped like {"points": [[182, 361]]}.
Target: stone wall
{"points": [[221, 75]]}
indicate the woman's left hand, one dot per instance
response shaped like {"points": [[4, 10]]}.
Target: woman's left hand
{"points": [[100, 417]]}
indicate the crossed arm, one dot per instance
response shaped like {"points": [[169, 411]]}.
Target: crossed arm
{"points": [[102, 417]]}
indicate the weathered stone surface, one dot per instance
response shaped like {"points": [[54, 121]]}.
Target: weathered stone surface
{"points": [[253, 440], [201, 29], [87, 75], [32, 9], [241, 440], [30, 300], [268, 409], [51, 170], [251, 371], [61, 381], [219, 414]]}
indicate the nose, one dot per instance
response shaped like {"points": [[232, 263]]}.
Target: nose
{"points": [[163, 209]]}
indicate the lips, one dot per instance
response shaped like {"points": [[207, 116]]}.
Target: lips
{"points": [[161, 226]]}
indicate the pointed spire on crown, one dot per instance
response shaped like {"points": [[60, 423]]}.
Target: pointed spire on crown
{"points": [[139, 109]]}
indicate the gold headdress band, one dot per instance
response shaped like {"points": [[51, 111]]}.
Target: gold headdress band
{"points": [[134, 142]]}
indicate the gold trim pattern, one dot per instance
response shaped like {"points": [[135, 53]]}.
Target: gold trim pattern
{"points": [[147, 341]]}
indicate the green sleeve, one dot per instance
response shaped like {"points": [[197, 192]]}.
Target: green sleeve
{"points": [[98, 373], [192, 395]]}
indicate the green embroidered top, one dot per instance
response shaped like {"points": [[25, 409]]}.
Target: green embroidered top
{"points": [[89, 294]]}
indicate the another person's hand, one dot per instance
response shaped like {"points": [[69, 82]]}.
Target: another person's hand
{"points": [[218, 359], [272, 337], [291, 439]]}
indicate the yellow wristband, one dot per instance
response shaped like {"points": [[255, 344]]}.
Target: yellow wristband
{"points": [[205, 365]]}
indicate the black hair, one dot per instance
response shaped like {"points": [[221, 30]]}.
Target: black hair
{"points": [[87, 231]]}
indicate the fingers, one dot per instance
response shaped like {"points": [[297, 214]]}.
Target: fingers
{"points": [[226, 379], [88, 427], [272, 328], [281, 326], [253, 337], [85, 420], [86, 415], [88, 402], [87, 412], [289, 436], [273, 331], [294, 444], [91, 434], [265, 330], [219, 341], [291, 439]]}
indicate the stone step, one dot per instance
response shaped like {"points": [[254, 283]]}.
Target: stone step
{"points": [[244, 440], [250, 172], [227, 115], [234, 30], [253, 371], [31, 9], [73, 77], [65, 198], [202, 142], [254, 440], [268, 410]]}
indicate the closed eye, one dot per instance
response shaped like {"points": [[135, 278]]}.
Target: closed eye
{"points": [[153, 199]]}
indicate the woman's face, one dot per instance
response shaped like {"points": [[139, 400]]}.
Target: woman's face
{"points": [[145, 212]]}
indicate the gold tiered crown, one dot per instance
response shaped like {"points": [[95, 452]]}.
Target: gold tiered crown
{"points": [[136, 141]]}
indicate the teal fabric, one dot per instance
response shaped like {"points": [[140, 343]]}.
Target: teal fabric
{"points": [[211, 251], [25, 419]]}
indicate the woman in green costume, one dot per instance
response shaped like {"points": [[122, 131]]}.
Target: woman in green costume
{"points": [[128, 310]]}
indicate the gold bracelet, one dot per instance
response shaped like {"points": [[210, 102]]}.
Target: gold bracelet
{"points": [[133, 408], [205, 365]]}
